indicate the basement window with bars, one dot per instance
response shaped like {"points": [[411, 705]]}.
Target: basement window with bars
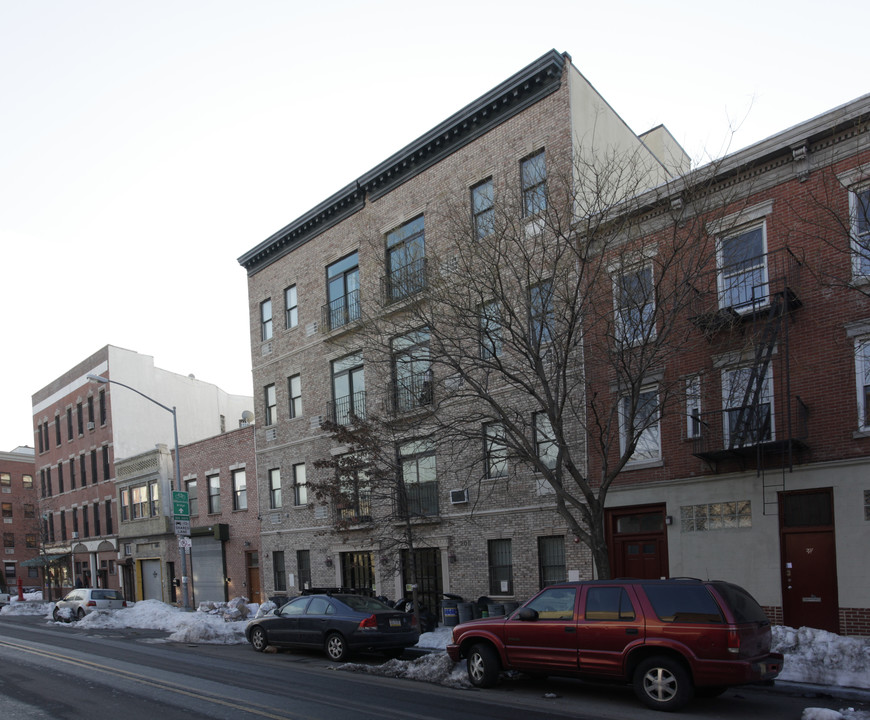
{"points": [[716, 516]]}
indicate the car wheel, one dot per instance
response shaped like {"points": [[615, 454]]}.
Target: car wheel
{"points": [[336, 647], [662, 683], [258, 639], [483, 666], [80, 613], [56, 615]]}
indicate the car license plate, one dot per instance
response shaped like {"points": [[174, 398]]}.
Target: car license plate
{"points": [[395, 623]]}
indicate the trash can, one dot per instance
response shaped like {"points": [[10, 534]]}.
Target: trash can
{"points": [[450, 613], [495, 609], [466, 611]]}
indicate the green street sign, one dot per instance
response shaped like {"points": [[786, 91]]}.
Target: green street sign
{"points": [[180, 503]]}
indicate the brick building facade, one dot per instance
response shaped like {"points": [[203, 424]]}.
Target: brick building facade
{"points": [[309, 283], [21, 526]]}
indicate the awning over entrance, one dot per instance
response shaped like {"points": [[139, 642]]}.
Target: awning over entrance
{"points": [[43, 560]]}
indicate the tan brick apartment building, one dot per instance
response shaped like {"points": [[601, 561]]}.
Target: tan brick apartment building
{"points": [[311, 281], [755, 466], [21, 525], [82, 428]]}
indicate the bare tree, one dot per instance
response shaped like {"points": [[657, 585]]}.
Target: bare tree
{"points": [[534, 329]]}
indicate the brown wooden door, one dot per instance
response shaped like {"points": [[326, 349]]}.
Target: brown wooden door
{"points": [[637, 540], [253, 579], [809, 560]]}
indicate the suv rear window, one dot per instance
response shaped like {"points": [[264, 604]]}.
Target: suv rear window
{"points": [[683, 603], [742, 604]]}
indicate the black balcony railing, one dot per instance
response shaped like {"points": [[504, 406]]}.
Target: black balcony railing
{"points": [[342, 409], [356, 510], [405, 281], [412, 391], [341, 311], [419, 500]]}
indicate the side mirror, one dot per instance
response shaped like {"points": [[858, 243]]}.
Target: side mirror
{"points": [[527, 614]]}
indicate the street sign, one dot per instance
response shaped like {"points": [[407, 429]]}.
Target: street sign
{"points": [[184, 542], [180, 503], [182, 527]]}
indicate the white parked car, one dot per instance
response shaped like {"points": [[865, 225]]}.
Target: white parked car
{"points": [[83, 601]]}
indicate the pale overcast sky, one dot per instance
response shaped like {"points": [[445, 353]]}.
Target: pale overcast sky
{"points": [[145, 146]]}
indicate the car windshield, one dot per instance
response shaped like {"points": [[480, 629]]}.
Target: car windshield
{"points": [[362, 604], [106, 595]]}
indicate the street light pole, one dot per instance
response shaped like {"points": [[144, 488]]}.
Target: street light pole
{"points": [[103, 380]]}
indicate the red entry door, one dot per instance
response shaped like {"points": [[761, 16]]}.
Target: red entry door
{"points": [[810, 581]]}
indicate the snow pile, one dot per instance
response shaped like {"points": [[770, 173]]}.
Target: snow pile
{"points": [[433, 668], [822, 658], [825, 714], [236, 609]]}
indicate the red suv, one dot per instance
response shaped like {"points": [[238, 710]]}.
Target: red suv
{"points": [[672, 639]]}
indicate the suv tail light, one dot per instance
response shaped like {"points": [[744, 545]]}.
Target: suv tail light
{"points": [[370, 623], [734, 641]]}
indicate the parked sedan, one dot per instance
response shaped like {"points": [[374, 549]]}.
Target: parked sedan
{"points": [[83, 601], [338, 623]]}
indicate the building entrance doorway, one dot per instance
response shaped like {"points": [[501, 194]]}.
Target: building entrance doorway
{"points": [[638, 542]]}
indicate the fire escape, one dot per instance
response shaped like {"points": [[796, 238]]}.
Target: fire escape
{"points": [[761, 423]]}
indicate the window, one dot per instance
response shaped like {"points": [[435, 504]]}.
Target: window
{"points": [[554, 604], [69, 424], [86, 521], [94, 467], [279, 572], [108, 505], [139, 502], [63, 525], [419, 489], [545, 441], [271, 404], [81, 419], [745, 423], [5, 479], [862, 368], [693, 407], [482, 213], [859, 212], [7, 510], [634, 305], [107, 471], [501, 570], [48, 481], [716, 516], [303, 569], [9, 539], [90, 411], [608, 604], [640, 424], [495, 450], [541, 313], [39, 437], [240, 490], [300, 485], [342, 290], [72, 474], [412, 371], [102, 407], [348, 389], [490, 331], [274, 488], [266, 320], [27, 481], [354, 506], [533, 171], [192, 497], [83, 467], [214, 494], [57, 431], [291, 308], [406, 260], [60, 477], [551, 560], [294, 387], [743, 270], [125, 504], [29, 510]]}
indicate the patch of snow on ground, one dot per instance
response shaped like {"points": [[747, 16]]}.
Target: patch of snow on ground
{"points": [[433, 668], [825, 714], [822, 658]]}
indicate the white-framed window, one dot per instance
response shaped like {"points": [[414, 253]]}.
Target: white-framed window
{"points": [[693, 407], [545, 440], [541, 312], [419, 478], [495, 450], [859, 219], [406, 260], [862, 371], [641, 424], [533, 174], [214, 494], [294, 386], [482, 213], [348, 388], [742, 261], [634, 304], [271, 401], [342, 290], [490, 330], [274, 488], [192, 497], [240, 490], [756, 425], [300, 485], [266, 320], [291, 308], [716, 516]]}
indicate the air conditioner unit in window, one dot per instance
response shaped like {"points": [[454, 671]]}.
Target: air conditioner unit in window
{"points": [[75, 535], [90, 426], [457, 497]]}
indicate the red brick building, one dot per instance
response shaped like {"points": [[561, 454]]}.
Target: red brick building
{"points": [[754, 460], [21, 525]]}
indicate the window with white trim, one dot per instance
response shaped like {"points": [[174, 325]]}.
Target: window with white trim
{"points": [[640, 423], [533, 173], [495, 450], [862, 371], [294, 387], [859, 218], [634, 304], [545, 441], [742, 261], [291, 307], [300, 485], [482, 212], [757, 419], [274, 488], [240, 490], [266, 320], [693, 407]]}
